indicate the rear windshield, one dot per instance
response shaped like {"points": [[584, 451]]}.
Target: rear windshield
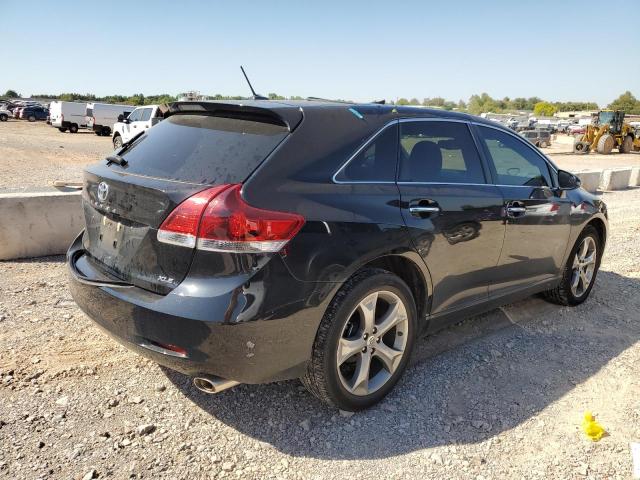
{"points": [[203, 149]]}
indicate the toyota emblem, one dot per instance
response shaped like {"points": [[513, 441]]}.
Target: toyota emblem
{"points": [[103, 191]]}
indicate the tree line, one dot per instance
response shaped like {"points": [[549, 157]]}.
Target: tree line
{"points": [[476, 104]]}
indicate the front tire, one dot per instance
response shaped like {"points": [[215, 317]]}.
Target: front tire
{"points": [[364, 341], [4, 117], [117, 142], [580, 271], [605, 144], [62, 129], [31, 118]]}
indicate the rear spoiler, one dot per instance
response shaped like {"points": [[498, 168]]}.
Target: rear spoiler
{"points": [[259, 111]]}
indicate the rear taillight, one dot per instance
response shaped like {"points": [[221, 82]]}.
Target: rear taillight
{"points": [[219, 220]]}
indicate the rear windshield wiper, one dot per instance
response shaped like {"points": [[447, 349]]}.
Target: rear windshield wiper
{"points": [[117, 156], [117, 159]]}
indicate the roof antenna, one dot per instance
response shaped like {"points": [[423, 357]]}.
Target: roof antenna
{"points": [[255, 95]]}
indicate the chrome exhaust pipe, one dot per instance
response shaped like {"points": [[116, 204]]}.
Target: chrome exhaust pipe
{"points": [[213, 384]]}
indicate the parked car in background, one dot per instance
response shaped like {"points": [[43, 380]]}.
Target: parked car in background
{"points": [[258, 241], [139, 120], [102, 116], [34, 113], [576, 129], [540, 138], [17, 111], [67, 116], [5, 114]]}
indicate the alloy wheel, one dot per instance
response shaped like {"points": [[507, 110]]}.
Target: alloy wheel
{"points": [[584, 265], [373, 343]]}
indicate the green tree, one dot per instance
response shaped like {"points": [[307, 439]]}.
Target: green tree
{"points": [[12, 94], [626, 102], [483, 103], [402, 101], [544, 109]]}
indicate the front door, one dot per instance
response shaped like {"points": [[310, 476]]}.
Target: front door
{"points": [[130, 128], [536, 216], [452, 213]]}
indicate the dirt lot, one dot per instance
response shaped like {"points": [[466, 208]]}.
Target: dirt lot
{"points": [[498, 396], [35, 154]]}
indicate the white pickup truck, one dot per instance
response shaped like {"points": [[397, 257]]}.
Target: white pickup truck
{"points": [[137, 121]]}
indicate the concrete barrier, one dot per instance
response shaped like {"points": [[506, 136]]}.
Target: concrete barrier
{"points": [[39, 223], [634, 179], [615, 179], [590, 180]]}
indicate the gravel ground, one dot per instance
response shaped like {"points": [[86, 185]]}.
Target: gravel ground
{"points": [[497, 396], [35, 154]]}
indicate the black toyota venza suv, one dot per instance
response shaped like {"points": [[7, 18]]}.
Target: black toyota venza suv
{"points": [[259, 241]]}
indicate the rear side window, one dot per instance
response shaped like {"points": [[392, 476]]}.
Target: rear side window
{"points": [[376, 162], [514, 162], [440, 152], [89, 112], [203, 149]]}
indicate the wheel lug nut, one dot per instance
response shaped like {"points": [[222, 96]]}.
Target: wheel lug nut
{"points": [[364, 350], [375, 330], [378, 340], [365, 336]]}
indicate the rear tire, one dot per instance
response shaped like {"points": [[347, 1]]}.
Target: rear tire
{"points": [[117, 142], [580, 147], [374, 347], [73, 128], [573, 289], [62, 129], [605, 144], [4, 117], [627, 145]]}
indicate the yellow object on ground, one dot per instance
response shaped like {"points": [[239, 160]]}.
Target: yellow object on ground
{"points": [[591, 428]]}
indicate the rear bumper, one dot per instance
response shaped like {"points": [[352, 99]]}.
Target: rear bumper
{"points": [[229, 327]]}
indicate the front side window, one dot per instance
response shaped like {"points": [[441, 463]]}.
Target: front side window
{"points": [[135, 115], [513, 161], [438, 152], [376, 162]]}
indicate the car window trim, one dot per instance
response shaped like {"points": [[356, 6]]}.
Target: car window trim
{"points": [[489, 178], [366, 144], [553, 172], [532, 147]]}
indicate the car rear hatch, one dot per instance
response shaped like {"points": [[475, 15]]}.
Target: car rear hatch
{"points": [[198, 147]]}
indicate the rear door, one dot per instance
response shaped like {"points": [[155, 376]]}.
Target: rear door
{"points": [[125, 206], [537, 217], [453, 214]]}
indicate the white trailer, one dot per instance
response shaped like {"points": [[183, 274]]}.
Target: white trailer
{"points": [[102, 116], [67, 116]]}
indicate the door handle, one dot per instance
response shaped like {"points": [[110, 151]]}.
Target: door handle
{"points": [[418, 210], [515, 209]]}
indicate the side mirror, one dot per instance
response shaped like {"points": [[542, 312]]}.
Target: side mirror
{"points": [[121, 118], [156, 120], [567, 181]]}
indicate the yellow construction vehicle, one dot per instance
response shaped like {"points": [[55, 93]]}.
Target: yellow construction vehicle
{"points": [[607, 131]]}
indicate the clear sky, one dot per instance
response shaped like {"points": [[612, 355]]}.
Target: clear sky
{"points": [[358, 50]]}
